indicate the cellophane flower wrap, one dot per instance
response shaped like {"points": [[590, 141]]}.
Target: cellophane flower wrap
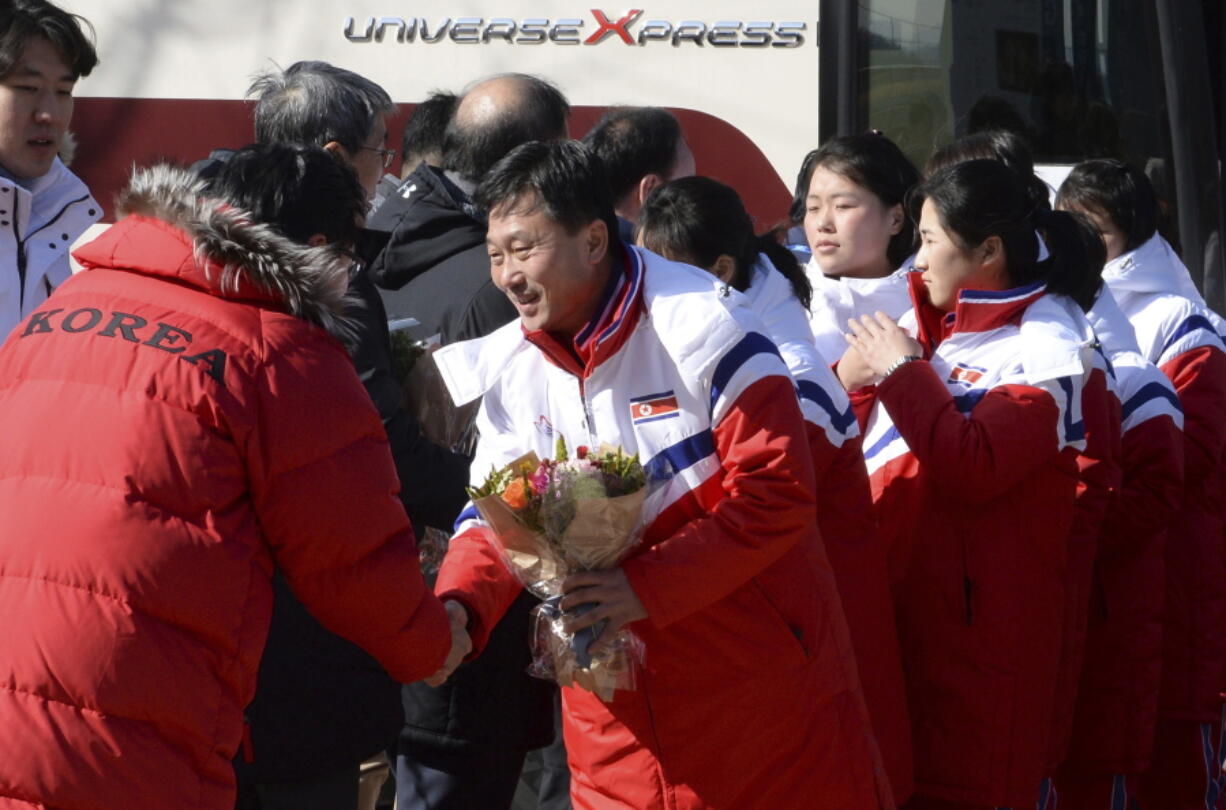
{"points": [[555, 517]]}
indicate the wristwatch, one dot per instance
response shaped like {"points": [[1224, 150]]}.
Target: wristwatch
{"points": [[899, 363]]}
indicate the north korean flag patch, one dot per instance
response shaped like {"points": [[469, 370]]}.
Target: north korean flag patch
{"points": [[966, 375], [653, 408]]}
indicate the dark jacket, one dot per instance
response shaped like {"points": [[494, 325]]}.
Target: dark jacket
{"points": [[322, 703], [435, 268]]}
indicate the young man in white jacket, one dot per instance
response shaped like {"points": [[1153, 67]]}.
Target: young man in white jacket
{"points": [[43, 206]]}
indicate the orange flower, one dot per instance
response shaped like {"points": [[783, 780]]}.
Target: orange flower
{"points": [[516, 494]]}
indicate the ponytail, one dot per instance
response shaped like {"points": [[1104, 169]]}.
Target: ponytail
{"points": [[977, 199], [785, 262], [697, 220], [1075, 266]]}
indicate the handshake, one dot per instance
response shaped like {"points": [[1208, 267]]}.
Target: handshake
{"points": [[461, 644]]}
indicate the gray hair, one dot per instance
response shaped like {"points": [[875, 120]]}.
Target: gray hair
{"points": [[314, 103]]}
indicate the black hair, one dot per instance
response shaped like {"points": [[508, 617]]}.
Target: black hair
{"points": [[978, 199], [315, 103], [634, 142], [874, 162], [567, 178], [1001, 145], [299, 190], [471, 148], [697, 220], [24, 20], [1113, 189], [423, 134]]}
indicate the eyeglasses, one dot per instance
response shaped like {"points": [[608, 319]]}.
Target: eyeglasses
{"points": [[388, 154]]}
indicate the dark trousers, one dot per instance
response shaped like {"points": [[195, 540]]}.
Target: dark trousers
{"points": [[430, 779], [554, 793], [332, 791]]}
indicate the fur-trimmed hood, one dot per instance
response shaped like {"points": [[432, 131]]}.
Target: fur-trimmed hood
{"points": [[238, 256]]}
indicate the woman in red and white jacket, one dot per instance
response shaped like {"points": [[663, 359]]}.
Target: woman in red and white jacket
{"points": [[972, 431], [1181, 337], [703, 222]]}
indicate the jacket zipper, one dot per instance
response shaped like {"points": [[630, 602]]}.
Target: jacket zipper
{"points": [[589, 420], [21, 259], [968, 587]]}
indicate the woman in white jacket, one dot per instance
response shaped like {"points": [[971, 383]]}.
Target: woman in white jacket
{"points": [[849, 195], [703, 222]]}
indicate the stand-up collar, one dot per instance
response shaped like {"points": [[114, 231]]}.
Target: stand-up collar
{"points": [[975, 311]]}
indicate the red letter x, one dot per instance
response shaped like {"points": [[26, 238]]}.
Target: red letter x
{"points": [[618, 27]]}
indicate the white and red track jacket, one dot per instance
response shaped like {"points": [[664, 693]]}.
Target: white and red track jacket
{"points": [[972, 454], [1117, 700], [836, 299], [1180, 337], [854, 546], [747, 653]]}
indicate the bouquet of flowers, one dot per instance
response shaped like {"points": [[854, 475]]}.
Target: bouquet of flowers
{"points": [[554, 517]]}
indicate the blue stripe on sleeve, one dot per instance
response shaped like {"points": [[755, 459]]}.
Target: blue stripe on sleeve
{"points": [[752, 344], [883, 442], [1191, 324], [470, 513], [1149, 392], [1073, 431], [680, 456], [817, 395]]}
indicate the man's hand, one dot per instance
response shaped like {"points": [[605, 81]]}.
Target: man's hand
{"points": [[880, 342], [612, 598], [461, 644]]}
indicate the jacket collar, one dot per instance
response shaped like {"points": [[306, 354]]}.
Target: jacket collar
{"points": [[615, 320], [430, 220], [172, 231], [975, 311], [1151, 268]]}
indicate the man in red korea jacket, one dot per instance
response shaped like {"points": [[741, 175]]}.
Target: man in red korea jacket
{"points": [[178, 422], [747, 697]]}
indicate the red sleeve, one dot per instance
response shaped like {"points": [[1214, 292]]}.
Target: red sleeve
{"points": [[1199, 377], [325, 489], [821, 451], [474, 575], [1010, 433], [1152, 487], [862, 399], [767, 507]]}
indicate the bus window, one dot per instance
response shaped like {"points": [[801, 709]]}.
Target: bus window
{"points": [[1078, 78]]}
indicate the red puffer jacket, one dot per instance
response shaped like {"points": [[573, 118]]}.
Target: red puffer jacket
{"points": [[972, 454], [1117, 700], [172, 433], [858, 555]]}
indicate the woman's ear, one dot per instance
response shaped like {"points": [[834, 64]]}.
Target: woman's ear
{"points": [[992, 259], [724, 268], [898, 218]]}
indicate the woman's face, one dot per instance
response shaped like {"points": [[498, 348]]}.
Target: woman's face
{"points": [[948, 268], [849, 227], [1115, 239]]}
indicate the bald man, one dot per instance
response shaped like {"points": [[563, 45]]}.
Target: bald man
{"points": [[464, 744], [435, 267]]}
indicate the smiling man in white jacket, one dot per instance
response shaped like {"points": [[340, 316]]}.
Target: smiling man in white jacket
{"points": [[43, 206]]}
